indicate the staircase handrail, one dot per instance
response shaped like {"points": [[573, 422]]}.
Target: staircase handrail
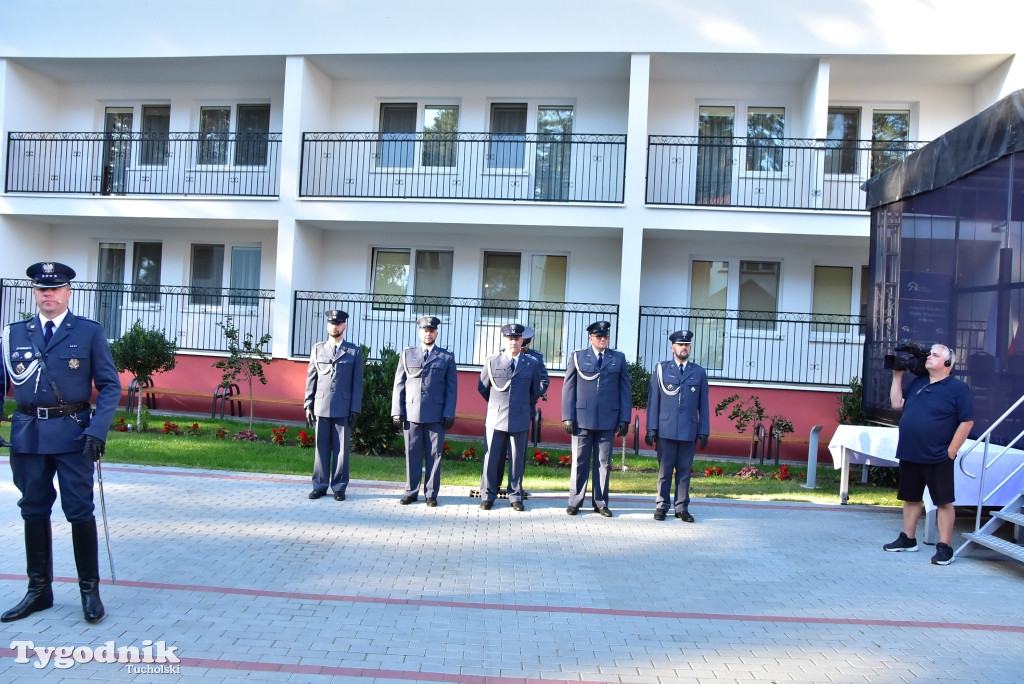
{"points": [[986, 439]]}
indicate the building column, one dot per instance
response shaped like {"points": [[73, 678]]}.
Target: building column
{"points": [[635, 200]]}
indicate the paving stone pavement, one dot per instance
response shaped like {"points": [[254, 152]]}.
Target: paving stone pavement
{"points": [[247, 579]]}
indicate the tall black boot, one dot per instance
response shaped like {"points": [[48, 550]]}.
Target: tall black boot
{"points": [[83, 536], [39, 564]]}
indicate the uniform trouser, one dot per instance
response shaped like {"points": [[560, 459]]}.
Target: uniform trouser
{"points": [[332, 446], [591, 455], [423, 441], [494, 463], [33, 476], [674, 455]]}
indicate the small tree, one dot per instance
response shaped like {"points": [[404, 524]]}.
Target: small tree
{"points": [[850, 404], [143, 353], [246, 359], [747, 411]]}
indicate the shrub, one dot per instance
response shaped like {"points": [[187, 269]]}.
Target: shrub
{"points": [[374, 434]]}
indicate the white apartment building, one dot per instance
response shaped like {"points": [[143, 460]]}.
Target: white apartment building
{"points": [[657, 164]]}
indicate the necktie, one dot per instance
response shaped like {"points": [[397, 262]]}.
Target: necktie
{"points": [[680, 368], [426, 354], [47, 331], [600, 359], [512, 367]]}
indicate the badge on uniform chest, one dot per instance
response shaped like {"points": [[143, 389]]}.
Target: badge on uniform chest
{"points": [[73, 364]]}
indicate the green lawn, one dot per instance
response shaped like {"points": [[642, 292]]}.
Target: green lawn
{"points": [[205, 450]]}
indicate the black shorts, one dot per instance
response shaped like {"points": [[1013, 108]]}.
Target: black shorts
{"points": [[937, 477]]}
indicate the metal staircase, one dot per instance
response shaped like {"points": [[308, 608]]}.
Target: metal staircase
{"points": [[1013, 512]]}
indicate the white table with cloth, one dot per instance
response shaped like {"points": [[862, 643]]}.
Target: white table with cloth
{"points": [[876, 446]]}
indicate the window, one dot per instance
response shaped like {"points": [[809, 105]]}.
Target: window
{"points": [[252, 135], [147, 258], [156, 124], [554, 153], [766, 128], [759, 294], [397, 135], [501, 282], [245, 276], [832, 299], [842, 135], [214, 129], [890, 130], [207, 275], [431, 280], [508, 136], [440, 124]]}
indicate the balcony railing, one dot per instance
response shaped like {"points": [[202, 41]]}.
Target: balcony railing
{"points": [[786, 173], [757, 346], [226, 164], [188, 316], [465, 166], [470, 328]]}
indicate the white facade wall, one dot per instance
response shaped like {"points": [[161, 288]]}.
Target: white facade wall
{"points": [[327, 67]]}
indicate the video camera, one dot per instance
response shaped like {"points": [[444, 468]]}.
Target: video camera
{"points": [[909, 355]]}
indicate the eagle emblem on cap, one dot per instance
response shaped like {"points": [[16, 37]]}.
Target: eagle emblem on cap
{"points": [[47, 268]]}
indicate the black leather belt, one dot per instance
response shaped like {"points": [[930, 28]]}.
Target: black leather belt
{"points": [[47, 412]]}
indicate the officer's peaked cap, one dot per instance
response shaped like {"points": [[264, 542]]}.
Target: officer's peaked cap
{"points": [[428, 322], [47, 274], [528, 334], [512, 330], [600, 328], [336, 316], [681, 336]]}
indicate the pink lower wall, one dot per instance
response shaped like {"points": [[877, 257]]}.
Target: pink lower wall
{"points": [[286, 381]]}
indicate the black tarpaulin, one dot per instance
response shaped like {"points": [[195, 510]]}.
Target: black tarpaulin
{"points": [[994, 133]]}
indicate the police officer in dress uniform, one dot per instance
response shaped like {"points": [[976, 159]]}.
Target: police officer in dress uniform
{"points": [[334, 398], [545, 381], [511, 383], [677, 419], [597, 399], [423, 406], [53, 360]]}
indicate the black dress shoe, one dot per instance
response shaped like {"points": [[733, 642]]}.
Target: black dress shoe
{"points": [[518, 506], [406, 500], [604, 511], [684, 516], [315, 494], [431, 503], [572, 510], [659, 514], [339, 496], [486, 505]]}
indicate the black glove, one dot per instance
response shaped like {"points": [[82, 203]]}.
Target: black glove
{"points": [[703, 439], [353, 419], [94, 448], [4, 443], [651, 437], [621, 429], [448, 422], [570, 426], [310, 418], [397, 422]]}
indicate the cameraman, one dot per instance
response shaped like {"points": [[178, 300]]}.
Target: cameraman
{"points": [[938, 414]]}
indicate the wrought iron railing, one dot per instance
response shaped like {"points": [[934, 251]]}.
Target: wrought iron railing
{"points": [[233, 164], [530, 167], [757, 346], [188, 316], [470, 328], [784, 173]]}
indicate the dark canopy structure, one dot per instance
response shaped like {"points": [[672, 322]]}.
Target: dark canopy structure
{"points": [[946, 245]]}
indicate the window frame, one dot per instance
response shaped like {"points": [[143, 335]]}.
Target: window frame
{"points": [[225, 299], [230, 141], [411, 281], [416, 139]]}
